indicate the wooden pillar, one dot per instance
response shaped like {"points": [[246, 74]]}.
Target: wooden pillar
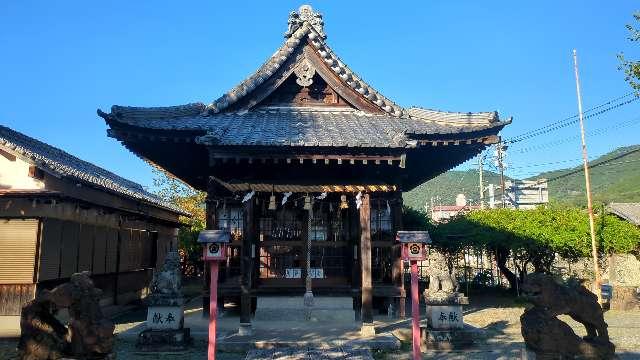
{"points": [[397, 272], [365, 261], [246, 267]]}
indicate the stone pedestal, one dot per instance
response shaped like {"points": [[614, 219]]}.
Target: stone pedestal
{"points": [[165, 330], [168, 340], [444, 328], [165, 317]]}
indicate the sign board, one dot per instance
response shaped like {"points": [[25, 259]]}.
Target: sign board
{"points": [[293, 273], [445, 317], [165, 317], [296, 273]]}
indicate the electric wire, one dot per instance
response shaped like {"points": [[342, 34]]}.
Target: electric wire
{"points": [[590, 133], [590, 113]]}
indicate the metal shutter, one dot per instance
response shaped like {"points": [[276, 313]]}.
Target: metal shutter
{"points": [[70, 237], [86, 247], [50, 249], [99, 250], [17, 250]]}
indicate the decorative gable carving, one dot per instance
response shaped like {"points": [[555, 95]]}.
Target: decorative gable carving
{"points": [[304, 71], [304, 39], [317, 93]]}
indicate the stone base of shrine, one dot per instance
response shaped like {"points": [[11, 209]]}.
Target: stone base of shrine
{"points": [[314, 340], [164, 341], [292, 308]]}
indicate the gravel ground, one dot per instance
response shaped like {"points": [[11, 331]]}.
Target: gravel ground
{"points": [[502, 339], [126, 350]]}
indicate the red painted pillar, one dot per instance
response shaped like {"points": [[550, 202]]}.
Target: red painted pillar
{"points": [[415, 310], [213, 310]]}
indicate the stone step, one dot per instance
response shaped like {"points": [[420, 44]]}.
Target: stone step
{"points": [[292, 308]]}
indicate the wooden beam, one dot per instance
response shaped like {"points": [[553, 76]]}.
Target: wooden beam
{"points": [[246, 266], [397, 269], [365, 260]]}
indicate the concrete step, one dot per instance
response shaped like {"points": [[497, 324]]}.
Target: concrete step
{"points": [[292, 308]]}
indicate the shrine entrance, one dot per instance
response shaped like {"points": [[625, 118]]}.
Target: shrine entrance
{"points": [[287, 240]]}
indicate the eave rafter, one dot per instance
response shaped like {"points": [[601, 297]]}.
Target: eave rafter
{"points": [[295, 159]]}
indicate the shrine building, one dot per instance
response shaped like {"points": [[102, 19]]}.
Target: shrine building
{"points": [[305, 164]]}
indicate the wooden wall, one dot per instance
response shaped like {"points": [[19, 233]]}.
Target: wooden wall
{"points": [[68, 247], [41, 254]]}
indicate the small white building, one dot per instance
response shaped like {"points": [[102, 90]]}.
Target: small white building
{"points": [[440, 213], [526, 194]]}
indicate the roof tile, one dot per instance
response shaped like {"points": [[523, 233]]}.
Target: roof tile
{"points": [[65, 164]]}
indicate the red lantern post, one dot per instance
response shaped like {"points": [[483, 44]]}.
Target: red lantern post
{"points": [[414, 249], [214, 250]]}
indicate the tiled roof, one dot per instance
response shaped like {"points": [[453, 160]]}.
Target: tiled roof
{"points": [[303, 126], [64, 164], [254, 124], [627, 211], [133, 113], [453, 117], [306, 28]]}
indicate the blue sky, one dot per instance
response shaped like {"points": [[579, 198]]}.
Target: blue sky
{"points": [[62, 60]]}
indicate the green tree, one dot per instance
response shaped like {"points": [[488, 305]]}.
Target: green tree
{"points": [[178, 193], [533, 238], [631, 68]]}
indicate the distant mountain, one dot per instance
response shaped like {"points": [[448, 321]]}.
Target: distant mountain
{"points": [[615, 177], [445, 187]]}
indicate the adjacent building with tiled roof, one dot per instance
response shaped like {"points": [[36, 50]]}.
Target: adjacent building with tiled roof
{"points": [[60, 214], [627, 211]]}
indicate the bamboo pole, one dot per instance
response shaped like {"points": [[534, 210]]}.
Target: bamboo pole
{"points": [[587, 179]]}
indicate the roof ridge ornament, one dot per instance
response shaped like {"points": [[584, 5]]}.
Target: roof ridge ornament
{"points": [[305, 14]]}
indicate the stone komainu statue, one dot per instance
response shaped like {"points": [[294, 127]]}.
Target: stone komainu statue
{"points": [[551, 338], [89, 335]]}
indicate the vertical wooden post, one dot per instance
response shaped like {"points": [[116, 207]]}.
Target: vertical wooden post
{"points": [[587, 179], [246, 267], [397, 272], [213, 310], [365, 261], [210, 223], [415, 311]]}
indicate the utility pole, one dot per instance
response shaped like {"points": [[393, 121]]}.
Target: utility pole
{"points": [[501, 149], [594, 247], [480, 160]]}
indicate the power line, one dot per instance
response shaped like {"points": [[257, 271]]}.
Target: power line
{"points": [[591, 166], [576, 115], [567, 139], [557, 125]]}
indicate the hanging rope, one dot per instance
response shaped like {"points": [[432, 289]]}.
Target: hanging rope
{"points": [[308, 295]]}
